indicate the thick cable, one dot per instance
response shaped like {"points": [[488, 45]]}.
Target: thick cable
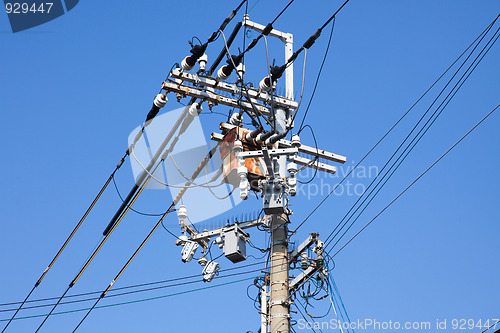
{"points": [[317, 80], [267, 29], [89, 260], [201, 166], [97, 197]]}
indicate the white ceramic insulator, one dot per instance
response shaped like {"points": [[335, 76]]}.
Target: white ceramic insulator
{"points": [[182, 213], [203, 62], [185, 65], [295, 140], [244, 184], [160, 100], [195, 109], [202, 261], [263, 85], [235, 119], [221, 74], [240, 69], [242, 171], [238, 145]]}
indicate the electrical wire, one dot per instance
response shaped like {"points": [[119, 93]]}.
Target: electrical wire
{"points": [[205, 185], [136, 301], [132, 286], [317, 79], [163, 183], [415, 140], [494, 324], [302, 88], [278, 71], [89, 260], [134, 210], [392, 127], [415, 181], [255, 110], [97, 197], [313, 160], [267, 29], [200, 167], [303, 316]]}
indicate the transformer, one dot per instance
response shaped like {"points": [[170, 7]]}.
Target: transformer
{"points": [[230, 164], [235, 243]]}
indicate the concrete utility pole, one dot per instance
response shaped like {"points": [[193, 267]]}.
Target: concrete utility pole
{"points": [[263, 162], [279, 307]]}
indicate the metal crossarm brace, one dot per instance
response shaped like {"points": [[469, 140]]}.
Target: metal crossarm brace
{"points": [[273, 152], [313, 238], [298, 159], [206, 235], [215, 98], [192, 234], [295, 284], [233, 89], [321, 153]]}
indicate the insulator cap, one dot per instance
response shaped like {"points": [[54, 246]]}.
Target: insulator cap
{"points": [[182, 213], [160, 100], [224, 72], [238, 145], [291, 167], [235, 119], [195, 109], [240, 69], [296, 140], [265, 84], [203, 62], [188, 63], [242, 171]]}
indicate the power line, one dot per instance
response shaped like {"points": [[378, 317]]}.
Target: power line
{"points": [[392, 127], [277, 71], [97, 197], [317, 80], [136, 301], [130, 286], [134, 210], [267, 30], [136, 190], [416, 139], [200, 167], [416, 180], [154, 288], [101, 243]]}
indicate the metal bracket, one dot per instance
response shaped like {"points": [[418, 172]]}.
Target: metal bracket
{"points": [[280, 302], [282, 315]]}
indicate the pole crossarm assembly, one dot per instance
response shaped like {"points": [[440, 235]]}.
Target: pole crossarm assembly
{"points": [[213, 83], [261, 161], [206, 235], [283, 143], [214, 98]]}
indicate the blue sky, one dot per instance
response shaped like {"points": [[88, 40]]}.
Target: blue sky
{"points": [[73, 89]]}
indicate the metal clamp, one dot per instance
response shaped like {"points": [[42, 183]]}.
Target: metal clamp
{"points": [[282, 315]]}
